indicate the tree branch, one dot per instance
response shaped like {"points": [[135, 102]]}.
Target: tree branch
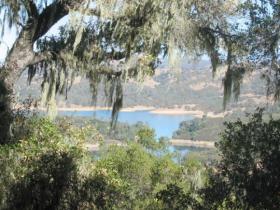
{"points": [[115, 55], [218, 31], [56, 11], [39, 57], [31, 8]]}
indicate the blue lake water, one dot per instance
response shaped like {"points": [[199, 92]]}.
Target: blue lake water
{"points": [[164, 125]]}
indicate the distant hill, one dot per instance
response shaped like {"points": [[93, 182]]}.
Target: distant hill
{"points": [[191, 88]]}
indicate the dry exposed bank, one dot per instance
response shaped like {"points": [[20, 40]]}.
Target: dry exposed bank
{"points": [[173, 142], [191, 143], [153, 110]]}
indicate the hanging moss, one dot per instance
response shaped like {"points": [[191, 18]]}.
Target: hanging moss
{"points": [[124, 40]]}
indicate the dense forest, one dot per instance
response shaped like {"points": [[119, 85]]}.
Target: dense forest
{"points": [[45, 161]]}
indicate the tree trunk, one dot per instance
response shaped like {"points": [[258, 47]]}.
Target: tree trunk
{"points": [[18, 59], [5, 112], [21, 56]]}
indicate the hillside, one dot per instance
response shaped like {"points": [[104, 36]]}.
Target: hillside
{"points": [[191, 88]]}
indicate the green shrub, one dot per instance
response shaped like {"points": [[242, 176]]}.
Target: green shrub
{"points": [[247, 176], [50, 169], [189, 129]]}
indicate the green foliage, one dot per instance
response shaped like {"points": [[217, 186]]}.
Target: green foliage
{"points": [[116, 40], [132, 164], [113, 41], [49, 169], [163, 166], [195, 174], [188, 129], [146, 137], [249, 167], [174, 197], [147, 175], [53, 179]]}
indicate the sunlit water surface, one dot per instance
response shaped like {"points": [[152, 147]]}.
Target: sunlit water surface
{"points": [[164, 125]]}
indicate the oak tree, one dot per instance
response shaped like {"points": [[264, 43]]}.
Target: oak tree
{"points": [[113, 40]]}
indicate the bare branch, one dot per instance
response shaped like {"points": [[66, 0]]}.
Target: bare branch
{"points": [[39, 57], [31, 8], [56, 11]]}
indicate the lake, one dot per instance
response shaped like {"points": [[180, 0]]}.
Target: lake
{"points": [[163, 124]]}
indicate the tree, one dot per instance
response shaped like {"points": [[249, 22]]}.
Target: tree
{"points": [[50, 169], [247, 174], [174, 197], [115, 40], [188, 129], [146, 137], [153, 181]]}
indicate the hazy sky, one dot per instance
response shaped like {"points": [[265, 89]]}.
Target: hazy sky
{"points": [[6, 42], [10, 35]]}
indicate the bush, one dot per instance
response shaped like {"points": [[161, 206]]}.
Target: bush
{"points": [[174, 197], [148, 176], [247, 176], [146, 136], [49, 169], [189, 129]]}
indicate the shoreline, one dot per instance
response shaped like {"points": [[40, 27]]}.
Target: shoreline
{"points": [[151, 109], [173, 142], [95, 108], [192, 143]]}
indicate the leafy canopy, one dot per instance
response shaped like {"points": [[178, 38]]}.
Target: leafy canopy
{"points": [[247, 174], [114, 40]]}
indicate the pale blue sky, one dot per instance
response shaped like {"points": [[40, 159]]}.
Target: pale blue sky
{"points": [[7, 42], [10, 35]]}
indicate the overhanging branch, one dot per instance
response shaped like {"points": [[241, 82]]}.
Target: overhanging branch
{"points": [[39, 57], [56, 11], [31, 8]]}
